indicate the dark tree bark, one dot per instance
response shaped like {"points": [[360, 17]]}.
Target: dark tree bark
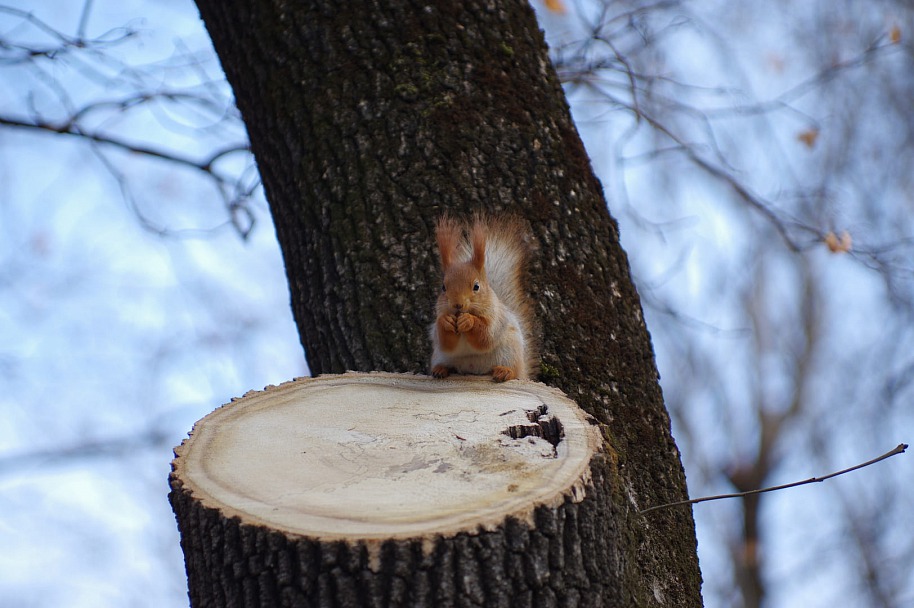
{"points": [[369, 119], [527, 529]]}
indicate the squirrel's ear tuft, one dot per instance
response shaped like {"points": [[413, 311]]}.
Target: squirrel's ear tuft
{"points": [[448, 233], [478, 239]]}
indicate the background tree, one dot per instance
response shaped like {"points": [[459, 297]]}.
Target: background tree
{"points": [[731, 140], [744, 162]]}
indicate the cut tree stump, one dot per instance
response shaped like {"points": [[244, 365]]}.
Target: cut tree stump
{"points": [[392, 490]]}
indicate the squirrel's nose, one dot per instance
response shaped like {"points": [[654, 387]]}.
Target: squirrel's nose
{"points": [[458, 306]]}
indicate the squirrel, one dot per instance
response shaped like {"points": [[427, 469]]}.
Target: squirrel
{"points": [[483, 316]]}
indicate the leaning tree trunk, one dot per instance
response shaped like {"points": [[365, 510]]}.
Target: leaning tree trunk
{"points": [[368, 119]]}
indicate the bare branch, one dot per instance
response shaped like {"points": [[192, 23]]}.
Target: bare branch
{"points": [[69, 128], [899, 449], [783, 101], [232, 190], [144, 439], [15, 53]]}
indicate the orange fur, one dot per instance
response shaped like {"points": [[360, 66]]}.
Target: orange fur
{"points": [[478, 239], [447, 332], [484, 320], [448, 233], [501, 373]]}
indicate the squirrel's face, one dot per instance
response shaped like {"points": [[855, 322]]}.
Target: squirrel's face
{"points": [[463, 289]]}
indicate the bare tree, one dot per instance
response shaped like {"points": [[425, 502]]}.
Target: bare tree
{"points": [[739, 173], [811, 235], [106, 99]]}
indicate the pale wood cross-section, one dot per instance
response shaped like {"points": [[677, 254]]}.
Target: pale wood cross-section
{"points": [[372, 461]]}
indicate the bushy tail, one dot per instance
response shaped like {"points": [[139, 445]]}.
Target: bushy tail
{"points": [[509, 246]]}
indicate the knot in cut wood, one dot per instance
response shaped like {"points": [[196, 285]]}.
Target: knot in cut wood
{"points": [[377, 466]]}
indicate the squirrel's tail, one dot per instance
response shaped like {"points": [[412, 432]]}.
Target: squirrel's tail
{"points": [[509, 246]]}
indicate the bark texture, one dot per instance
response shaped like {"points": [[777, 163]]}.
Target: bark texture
{"points": [[257, 530], [560, 562], [370, 118]]}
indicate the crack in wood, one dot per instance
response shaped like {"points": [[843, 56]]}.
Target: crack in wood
{"points": [[542, 424]]}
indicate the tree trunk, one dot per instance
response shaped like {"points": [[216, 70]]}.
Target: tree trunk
{"points": [[454, 492], [367, 121]]}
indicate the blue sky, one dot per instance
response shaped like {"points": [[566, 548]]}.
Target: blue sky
{"points": [[129, 312]]}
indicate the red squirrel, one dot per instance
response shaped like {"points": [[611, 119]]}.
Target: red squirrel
{"points": [[483, 316]]}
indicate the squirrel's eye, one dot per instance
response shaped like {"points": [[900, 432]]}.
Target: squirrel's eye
{"points": [[476, 286], [444, 288]]}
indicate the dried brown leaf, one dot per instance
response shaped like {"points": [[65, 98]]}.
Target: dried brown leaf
{"points": [[838, 244], [556, 6], [809, 137]]}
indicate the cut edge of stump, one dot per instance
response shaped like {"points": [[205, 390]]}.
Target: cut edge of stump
{"points": [[577, 435]]}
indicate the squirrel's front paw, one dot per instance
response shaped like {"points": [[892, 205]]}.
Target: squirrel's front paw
{"points": [[500, 373], [465, 322], [440, 371], [450, 322]]}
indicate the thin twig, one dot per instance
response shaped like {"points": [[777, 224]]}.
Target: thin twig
{"points": [[899, 449], [118, 447], [110, 140], [84, 20]]}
